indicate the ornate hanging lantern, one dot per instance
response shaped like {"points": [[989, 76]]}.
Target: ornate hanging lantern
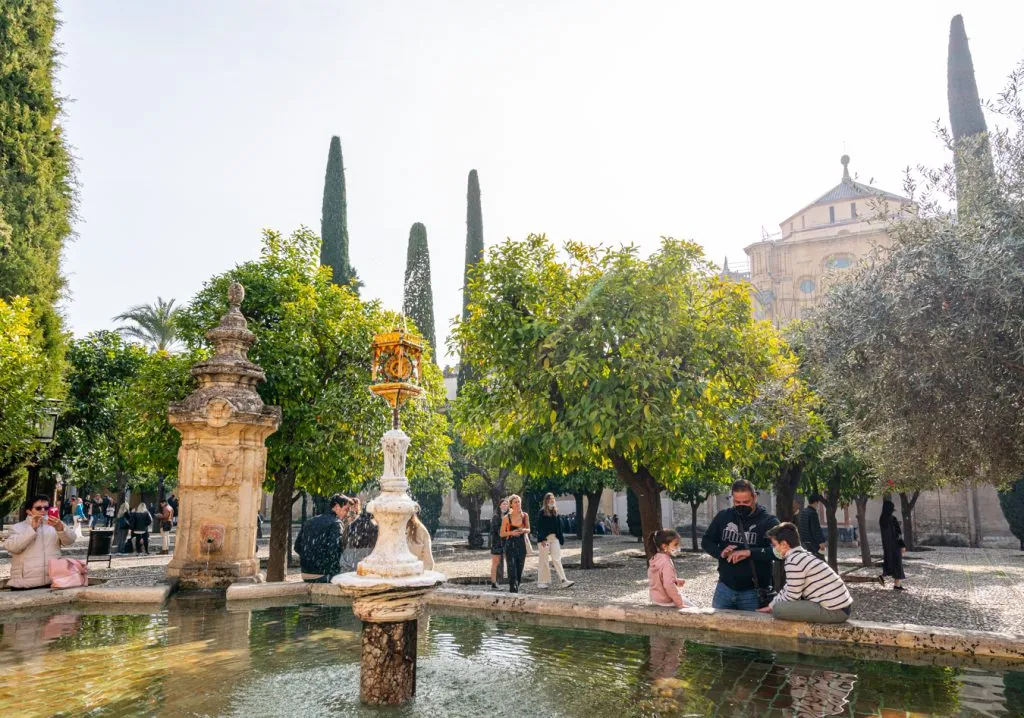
{"points": [[396, 372]]}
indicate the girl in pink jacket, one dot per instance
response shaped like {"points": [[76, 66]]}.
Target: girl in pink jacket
{"points": [[661, 572]]}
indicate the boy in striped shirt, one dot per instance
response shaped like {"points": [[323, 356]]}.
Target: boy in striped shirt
{"points": [[813, 591]]}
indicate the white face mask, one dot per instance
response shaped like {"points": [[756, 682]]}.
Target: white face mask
{"points": [[551, 505]]}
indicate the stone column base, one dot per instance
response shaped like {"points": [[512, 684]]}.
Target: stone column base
{"points": [[215, 574]]}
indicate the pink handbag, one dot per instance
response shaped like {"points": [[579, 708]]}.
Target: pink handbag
{"points": [[68, 573]]}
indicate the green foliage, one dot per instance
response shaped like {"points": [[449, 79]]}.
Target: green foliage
{"points": [[1012, 503], [610, 359], [152, 324], [23, 370], [113, 429], [418, 301], [36, 173], [703, 480], [924, 342], [313, 343], [474, 255], [334, 221]]}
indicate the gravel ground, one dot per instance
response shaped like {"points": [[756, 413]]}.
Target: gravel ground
{"points": [[981, 589]]}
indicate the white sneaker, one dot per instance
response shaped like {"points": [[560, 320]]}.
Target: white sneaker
{"points": [[567, 584], [543, 585]]}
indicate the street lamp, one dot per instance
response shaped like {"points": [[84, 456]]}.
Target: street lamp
{"points": [[45, 428]]}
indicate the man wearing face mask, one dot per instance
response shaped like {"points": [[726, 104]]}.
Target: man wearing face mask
{"points": [[737, 538]]}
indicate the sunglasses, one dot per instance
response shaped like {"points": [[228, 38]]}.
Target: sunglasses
{"points": [[40, 508]]}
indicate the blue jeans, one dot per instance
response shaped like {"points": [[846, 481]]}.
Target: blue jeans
{"points": [[726, 597]]}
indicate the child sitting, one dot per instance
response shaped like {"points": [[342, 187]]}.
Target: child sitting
{"points": [[661, 573]]}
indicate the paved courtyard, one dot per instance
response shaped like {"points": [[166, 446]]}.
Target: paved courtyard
{"points": [[980, 589]]}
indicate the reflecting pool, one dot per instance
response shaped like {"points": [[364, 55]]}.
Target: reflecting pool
{"points": [[200, 658]]}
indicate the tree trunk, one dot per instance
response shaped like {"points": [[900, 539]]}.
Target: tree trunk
{"points": [[693, 524], [907, 511], [786, 484], [587, 552], [862, 530], [976, 535], [280, 521], [648, 494], [476, 538], [579, 514], [388, 665]]}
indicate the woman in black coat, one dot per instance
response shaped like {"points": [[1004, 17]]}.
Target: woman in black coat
{"points": [[893, 547]]}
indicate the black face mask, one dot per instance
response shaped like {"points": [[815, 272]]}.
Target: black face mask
{"points": [[744, 511]]}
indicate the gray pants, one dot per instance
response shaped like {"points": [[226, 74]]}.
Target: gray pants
{"points": [[808, 611]]}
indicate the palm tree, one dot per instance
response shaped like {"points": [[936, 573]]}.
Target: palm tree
{"points": [[152, 324]]}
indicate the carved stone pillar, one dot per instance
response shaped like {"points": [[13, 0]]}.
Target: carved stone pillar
{"points": [[222, 461]]}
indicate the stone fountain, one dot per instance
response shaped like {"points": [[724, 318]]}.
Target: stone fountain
{"points": [[222, 461], [389, 586]]}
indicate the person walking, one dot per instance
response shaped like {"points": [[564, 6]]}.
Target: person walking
{"points": [[615, 524], [321, 541], [662, 581], [893, 547], [497, 552], [96, 514], [737, 538], [514, 527], [813, 592], [33, 542], [814, 539], [108, 508], [140, 522], [550, 539], [166, 519], [79, 512]]}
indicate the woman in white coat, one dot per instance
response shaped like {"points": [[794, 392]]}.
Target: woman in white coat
{"points": [[33, 542]]}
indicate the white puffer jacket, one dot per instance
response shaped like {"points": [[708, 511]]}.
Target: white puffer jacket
{"points": [[31, 551]]}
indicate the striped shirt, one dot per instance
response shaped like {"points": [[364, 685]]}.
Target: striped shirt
{"points": [[809, 578]]}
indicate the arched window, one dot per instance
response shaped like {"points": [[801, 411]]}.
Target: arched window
{"points": [[838, 261], [807, 285]]}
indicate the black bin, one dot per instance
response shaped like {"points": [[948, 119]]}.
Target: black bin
{"points": [[99, 545]]}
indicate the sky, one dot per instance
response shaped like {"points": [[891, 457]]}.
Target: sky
{"points": [[195, 125]]}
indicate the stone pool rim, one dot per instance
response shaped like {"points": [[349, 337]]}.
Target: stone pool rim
{"points": [[982, 644]]}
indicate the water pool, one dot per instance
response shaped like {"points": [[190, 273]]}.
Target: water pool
{"points": [[200, 658]]}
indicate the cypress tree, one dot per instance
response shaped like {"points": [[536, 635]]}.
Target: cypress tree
{"points": [[36, 171], [418, 302], [334, 220], [474, 251], [965, 116]]}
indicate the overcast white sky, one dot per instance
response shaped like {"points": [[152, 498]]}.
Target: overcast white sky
{"points": [[196, 124]]}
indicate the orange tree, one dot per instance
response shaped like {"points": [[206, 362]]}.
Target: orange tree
{"points": [[603, 358]]}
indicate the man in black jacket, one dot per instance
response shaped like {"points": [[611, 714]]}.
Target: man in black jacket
{"points": [[736, 537], [320, 542], [812, 537]]}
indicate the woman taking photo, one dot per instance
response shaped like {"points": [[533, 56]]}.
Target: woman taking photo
{"points": [[496, 550], [549, 536], [514, 527], [893, 547]]}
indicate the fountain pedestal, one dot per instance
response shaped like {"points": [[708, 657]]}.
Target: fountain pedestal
{"points": [[388, 588], [222, 460]]}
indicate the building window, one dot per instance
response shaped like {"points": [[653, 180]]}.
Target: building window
{"points": [[831, 215], [853, 210], [807, 286], [839, 262]]}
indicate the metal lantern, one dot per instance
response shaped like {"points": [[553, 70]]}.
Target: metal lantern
{"points": [[396, 372]]}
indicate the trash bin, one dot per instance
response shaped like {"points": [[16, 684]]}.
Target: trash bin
{"points": [[99, 545]]}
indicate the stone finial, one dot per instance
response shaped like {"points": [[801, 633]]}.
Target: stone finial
{"points": [[236, 293], [845, 160]]}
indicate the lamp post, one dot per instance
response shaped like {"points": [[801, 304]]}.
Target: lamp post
{"points": [[389, 586], [45, 428]]}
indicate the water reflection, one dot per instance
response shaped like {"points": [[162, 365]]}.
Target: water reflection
{"points": [[202, 658]]}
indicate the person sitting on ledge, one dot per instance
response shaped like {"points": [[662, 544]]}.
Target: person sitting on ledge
{"points": [[813, 592], [33, 542], [320, 542]]}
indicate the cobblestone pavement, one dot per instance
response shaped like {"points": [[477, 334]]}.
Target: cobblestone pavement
{"points": [[981, 589]]}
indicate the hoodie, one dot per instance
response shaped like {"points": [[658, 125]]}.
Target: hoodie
{"points": [[731, 529], [661, 579]]}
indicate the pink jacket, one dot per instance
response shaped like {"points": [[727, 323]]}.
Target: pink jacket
{"points": [[661, 577]]}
